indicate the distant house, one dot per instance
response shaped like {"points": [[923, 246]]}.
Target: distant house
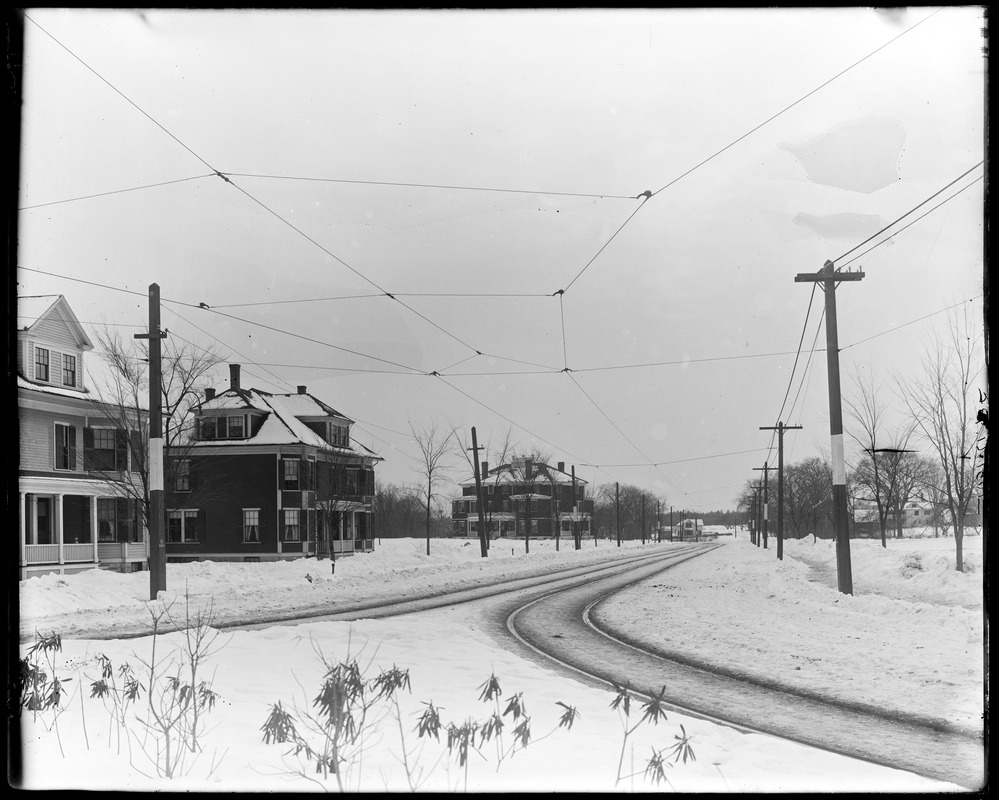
{"points": [[269, 477], [689, 530], [73, 513], [523, 496]]}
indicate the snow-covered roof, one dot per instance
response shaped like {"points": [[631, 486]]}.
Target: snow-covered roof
{"points": [[512, 474], [281, 424], [45, 388], [305, 405]]}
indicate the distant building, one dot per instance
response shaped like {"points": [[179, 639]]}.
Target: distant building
{"points": [[269, 477], [76, 453], [522, 496], [689, 530]]}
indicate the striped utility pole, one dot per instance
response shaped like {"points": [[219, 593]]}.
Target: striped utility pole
{"points": [[157, 515], [827, 278]]}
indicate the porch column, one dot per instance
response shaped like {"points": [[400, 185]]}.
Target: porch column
{"points": [[57, 526], [22, 527], [93, 526], [33, 516]]}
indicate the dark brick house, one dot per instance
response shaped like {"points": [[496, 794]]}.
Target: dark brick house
{"points": [[519, 494], [269, 477]]}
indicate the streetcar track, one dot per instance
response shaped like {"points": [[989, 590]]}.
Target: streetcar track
{"points": [[843, 729]]}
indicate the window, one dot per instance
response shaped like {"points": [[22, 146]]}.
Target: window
{"points": [[182, 526], [69, 370], [182, 477], [65, 446], [290, 531], [41, 364], [206, 428], [102, 453], [118, 520], [236, 427], [289, 473], [251, 525]]}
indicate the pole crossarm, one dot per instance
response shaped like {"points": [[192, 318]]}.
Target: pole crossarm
{"points": [[780, 427], [828, 277]]}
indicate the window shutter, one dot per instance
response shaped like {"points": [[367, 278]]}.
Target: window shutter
{"points": [[121, 450], [88, 449], [201, 526], [135, 440], [72, 447]]}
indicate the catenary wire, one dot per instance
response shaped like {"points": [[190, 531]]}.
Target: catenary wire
{"points": [[115, 191], [432, 186]]}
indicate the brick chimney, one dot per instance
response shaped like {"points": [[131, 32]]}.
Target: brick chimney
{"points": [[485, 469], [301, 389], [234, 376], [209, 393], [561, 466]]}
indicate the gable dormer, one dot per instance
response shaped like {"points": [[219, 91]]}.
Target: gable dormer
{"points": [[51, 342]]}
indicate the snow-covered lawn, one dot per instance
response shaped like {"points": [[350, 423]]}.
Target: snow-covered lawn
{"points": [[925, 626]]}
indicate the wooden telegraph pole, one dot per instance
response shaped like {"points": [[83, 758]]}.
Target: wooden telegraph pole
{"points": [[765, 469], [617, 510], [483, 535], [827, 278], [157, 515], [780, 428], [643, 519], [577, 539]]}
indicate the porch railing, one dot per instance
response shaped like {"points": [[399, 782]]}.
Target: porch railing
{"points": [[41, 554], [49, 553]]}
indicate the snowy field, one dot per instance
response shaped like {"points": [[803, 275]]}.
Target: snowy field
{"points": [[914, 630]]}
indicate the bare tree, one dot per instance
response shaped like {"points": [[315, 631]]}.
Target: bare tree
{"points": [[869, 475], [123, 402], [524, 470], [808, 496], [942, 403], [342, 484], [437, 442]]}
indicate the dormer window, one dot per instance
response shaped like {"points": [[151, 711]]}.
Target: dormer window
{"points": [[41, 364], [227, 427]]}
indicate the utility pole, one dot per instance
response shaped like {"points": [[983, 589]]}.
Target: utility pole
{"points": [[483, 535], [827, 278], [659, 522], [157, 516], [617, 510], [765, 469], [759, 513], [671, 523], [577, 539], [780, 428], [643, 519]]}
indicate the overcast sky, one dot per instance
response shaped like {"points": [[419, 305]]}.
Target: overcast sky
{"points": [[409, 193]]}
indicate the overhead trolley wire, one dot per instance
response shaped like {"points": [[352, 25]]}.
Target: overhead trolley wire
{"points": [[251, 197], [623, 434], [799, 100], [116, 191], [917, 219], [911, 210], [590, 195]]}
